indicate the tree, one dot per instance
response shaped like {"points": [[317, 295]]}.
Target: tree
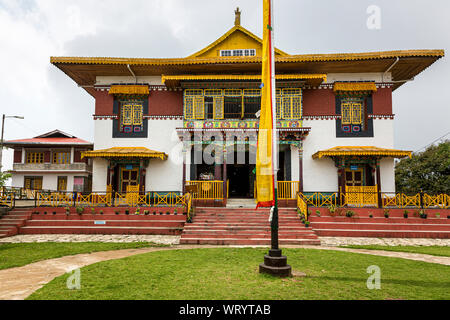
{"points": [[3, 177], [427, 171]]}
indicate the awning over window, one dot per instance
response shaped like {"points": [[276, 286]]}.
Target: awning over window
{"points": [[174, 80], [355, 87], [129, 89], [362, 151], [119, 152]]}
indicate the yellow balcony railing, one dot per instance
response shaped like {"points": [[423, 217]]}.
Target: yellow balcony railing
{"points": [[207, 190], [287, 190]]}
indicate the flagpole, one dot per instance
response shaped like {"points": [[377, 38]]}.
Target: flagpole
{"points": [[274, 263]]}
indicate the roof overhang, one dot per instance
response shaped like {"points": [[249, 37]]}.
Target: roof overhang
{"points": [[361, 151], [84, 70], [125, 152]]}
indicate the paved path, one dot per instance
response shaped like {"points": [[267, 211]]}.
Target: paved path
{"points": [[19, 283], [174, 240]]}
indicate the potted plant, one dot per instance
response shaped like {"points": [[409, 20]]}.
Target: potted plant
{"points": [[422, 214], [137, 211], [307, 224], [175, 212], [146, 212], [117, 212], [349, 213], [54, 212], [318, 213], [405, 214], [438, 215], [67, 210], [101, 211], [386, 213], [45, 212], [80, 210], [332, 210], [370, 215], [127, 212], [93, 211]]}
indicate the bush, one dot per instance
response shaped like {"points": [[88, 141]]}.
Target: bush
{"points": [[349, 213]]}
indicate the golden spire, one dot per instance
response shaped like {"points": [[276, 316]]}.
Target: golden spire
{"points": [[237, 19]]}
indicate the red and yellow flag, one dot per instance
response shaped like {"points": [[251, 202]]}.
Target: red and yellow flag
{"points": [[266, 156]]}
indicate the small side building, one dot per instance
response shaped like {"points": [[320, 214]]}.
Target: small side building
{"points": [[51, 161]]}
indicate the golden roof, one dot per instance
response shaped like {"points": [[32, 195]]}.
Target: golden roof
{"points": [[125, 152], [344, 151]]}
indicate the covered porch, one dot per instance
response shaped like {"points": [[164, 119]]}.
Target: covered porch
{"points": [[359, 173], [126, 167]]}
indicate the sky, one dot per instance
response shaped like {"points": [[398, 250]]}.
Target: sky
{"points": [[33, 30]]}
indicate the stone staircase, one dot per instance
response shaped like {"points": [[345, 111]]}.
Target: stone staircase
{"points": [[377, 226], [245, 226], [11, 223]]}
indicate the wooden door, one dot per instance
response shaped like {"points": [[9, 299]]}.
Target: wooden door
{"points": [[128, 178]]}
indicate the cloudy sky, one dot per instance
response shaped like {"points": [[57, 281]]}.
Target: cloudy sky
{"points": [[33, 30]]}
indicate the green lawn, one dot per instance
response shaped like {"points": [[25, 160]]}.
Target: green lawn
{"points": [[20, 254], [232, 273], [432, 250]]}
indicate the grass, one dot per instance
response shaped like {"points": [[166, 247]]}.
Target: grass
{"points": [[232, 273], [20, 254], [432, 250]]}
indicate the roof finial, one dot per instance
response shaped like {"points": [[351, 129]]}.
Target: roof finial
{"points": [[237, 19]]}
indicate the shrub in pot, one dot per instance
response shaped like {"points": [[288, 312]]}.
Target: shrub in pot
{"points": [[127, 212], [386, 213], [80, 210], [405, 214]]}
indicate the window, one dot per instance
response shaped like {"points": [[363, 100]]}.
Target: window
{"points": [[33, 183], [131, 117], [35, 157], [130, 121], [354, 121], [62, 183], [238, 53], [61, 157], [289, 103]]}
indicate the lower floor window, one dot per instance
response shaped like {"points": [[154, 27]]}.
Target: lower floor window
{"points": [[33, 183]]}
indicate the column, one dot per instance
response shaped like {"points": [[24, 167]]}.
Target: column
{"points": [[72, 155], [380, 203], [300, 168]]}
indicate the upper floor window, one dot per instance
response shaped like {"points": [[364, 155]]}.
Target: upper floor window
{"points": [[238, 53], [289, 103], [130, 122], [61, 157], [131, 116], [35, 157], [354, 121], [218, 104]]}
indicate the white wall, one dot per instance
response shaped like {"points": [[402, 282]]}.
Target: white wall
{"points": [[377, 77], [49, 180], [162, 136], [107, 80], [321, 174]]}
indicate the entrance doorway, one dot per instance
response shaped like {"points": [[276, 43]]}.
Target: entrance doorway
{"points": [[354, 177], [128, 177], [241, 180]]}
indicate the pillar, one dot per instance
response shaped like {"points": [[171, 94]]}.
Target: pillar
{"points": [[378, 172]]}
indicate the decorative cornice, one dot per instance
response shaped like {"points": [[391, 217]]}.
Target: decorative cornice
{"points": [[333, 117]]}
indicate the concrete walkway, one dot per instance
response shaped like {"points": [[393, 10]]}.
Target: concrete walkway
{"points": [[18, 283]]}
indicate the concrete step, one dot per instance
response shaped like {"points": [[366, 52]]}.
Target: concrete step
{"points": [[115, 223], [380, 226], [101, 230], [382, 233], [107, 217], [381, 220], [254, 242]]}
